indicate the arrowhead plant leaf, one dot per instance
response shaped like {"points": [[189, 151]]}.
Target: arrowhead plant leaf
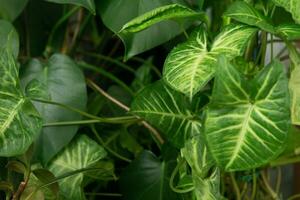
{"points": [[20, 123], [191, 65], [168, 110], [82, 153], [172, 11], [248, 120]]}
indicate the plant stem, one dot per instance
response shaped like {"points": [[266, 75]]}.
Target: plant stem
{"points": [[121, 105], [153, 67], [116, 120], [106, 146], [235, 187], [278, 181], [268, 187], [284, 161], [296, 196], [107, 75], [103, 194]]}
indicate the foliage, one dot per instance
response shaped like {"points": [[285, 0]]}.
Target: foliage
{"points": [[196, 105]]}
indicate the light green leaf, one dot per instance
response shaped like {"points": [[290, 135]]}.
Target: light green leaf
{"points": [[19, 121], [294, 85], [292, 6], [62, 81], [88, 4], [168, 110], [246, 13], [11, 9], [172, 11], [248, 120], [289, 31], [127, 10], [9, 38], [82, 153], [191, 65]]}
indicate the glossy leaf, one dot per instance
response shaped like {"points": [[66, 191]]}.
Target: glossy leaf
{"points": [[173, 11], [20, 123], [289, 31], [128, 10], [246, 13], [63, 82], [82, 153], [11, 9], [9, 38], [292, 6], [147, 178], [248, 120], [88, 4], [167, 110], [191, 65]]}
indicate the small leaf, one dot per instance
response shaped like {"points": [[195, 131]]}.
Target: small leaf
{"points": [[289, 31], [246, 13], [148, 178], [292, 6], [88, 4], [173, 11], [6, 186], [17, 167], [20, 123], [45, 176], [82, 153], [168, 110], [248, 120], [9, 38], [191, 65]]}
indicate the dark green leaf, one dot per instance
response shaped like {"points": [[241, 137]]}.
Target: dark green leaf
{"points": [[168, 110], [11, 9], [147, 178], [9, 38], [248, 120], [64, 83], [128, 10]]}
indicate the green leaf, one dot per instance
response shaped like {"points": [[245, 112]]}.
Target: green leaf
{"points": [[172, 11], [292, 6], [11, 9], [248, 120], [191, 65], [246, 13], [19, 121], [289, 31], [128, 10], [294, 85], [64, 82], [82, 153], [147, 178], [88, 4], [168, 110], [9, 38]]}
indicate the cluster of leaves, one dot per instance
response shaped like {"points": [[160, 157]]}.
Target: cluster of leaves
{"points": [[216, 115]]}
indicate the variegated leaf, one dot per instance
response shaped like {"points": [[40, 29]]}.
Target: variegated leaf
{"points": [[294, 85], [292, 6], [9, 38], [248, 120], [246, 13], [289, 31], [168, 110], [19, 121], [191, 65], [82, 153], [172, 11]]}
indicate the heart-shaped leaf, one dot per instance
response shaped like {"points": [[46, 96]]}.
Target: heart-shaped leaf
{"points": [[168, 110], [248, 120], [191, 65], [82, 153], [20, 123], [62, 81]]}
